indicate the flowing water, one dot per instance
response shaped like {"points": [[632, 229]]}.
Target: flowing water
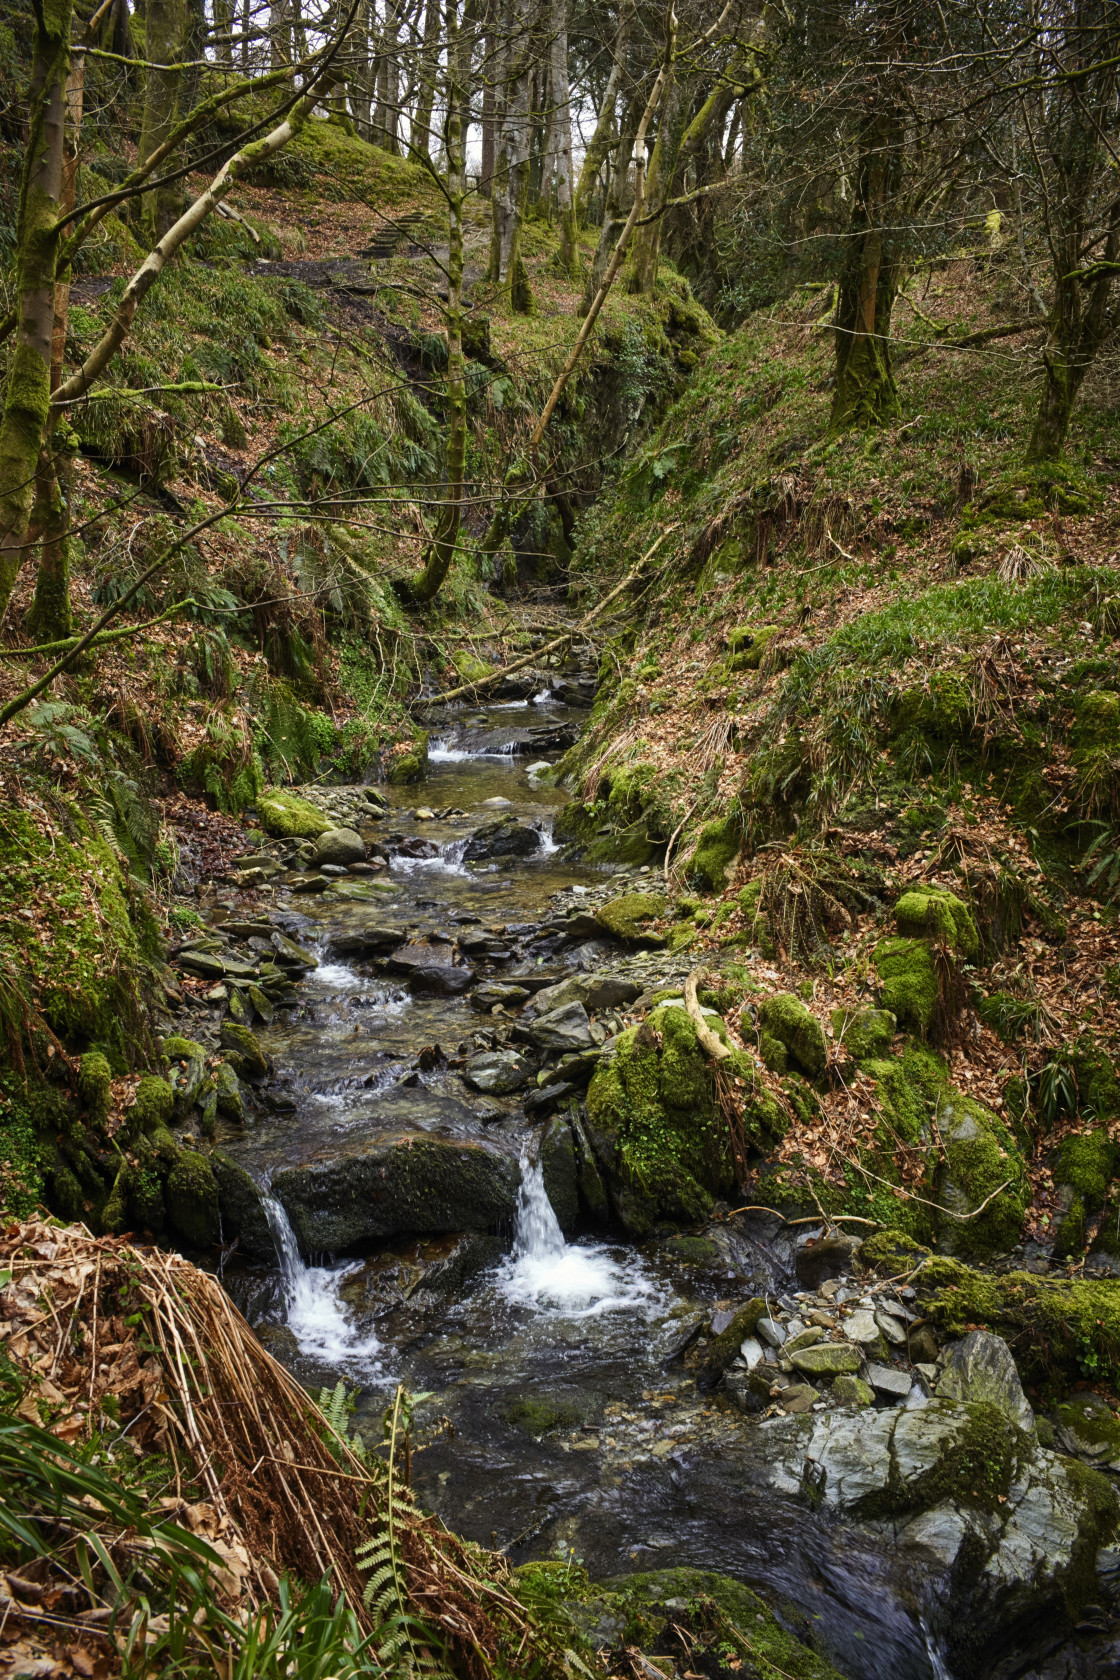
{"points": [[552, 1423]]}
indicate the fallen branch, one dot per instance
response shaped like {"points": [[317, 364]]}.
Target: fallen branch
{"points": [[709, 1041], [100, 641], [560, 641]]}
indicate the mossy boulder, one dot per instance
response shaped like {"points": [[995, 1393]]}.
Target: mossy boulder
{"points": [[1059, 1328], [908, 979], [469, 667], [192, 1199], [408, 761], [95, 1087], [114, 1214], [538, 1415], [655, 1124], [722, 1349], [1083, 1168], [1097, 723], [892, 1253], [186, 1071], [289, 817], [717, 846], [980, 1157], [727, 1628], [153, 1105], [624, 917], [866, 1034], [941, 709], [243, 1050], [747, 645], [785, 1018], [241, 1208], [941, 916]]}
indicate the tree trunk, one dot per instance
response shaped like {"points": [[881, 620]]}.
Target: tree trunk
{"points": [[647, 243], [616, 205], [442, 550], [420, 136], [361, 78], [490, 77], [599, 146], [23, 425], [49, 617], [865, 393], [165, 30], [559, 148], [386, 117], [511, 168]]}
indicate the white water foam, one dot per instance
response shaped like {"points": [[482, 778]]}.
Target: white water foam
{"points": [[337, 977], [449, 861], [548, 846], [314, 1310], [443, 752], [571, 1279], [545, 698]]}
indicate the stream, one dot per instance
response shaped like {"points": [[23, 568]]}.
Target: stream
{"points": [[550, 1424]]}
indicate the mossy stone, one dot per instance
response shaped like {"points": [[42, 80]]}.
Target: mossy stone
{"points": [[747, 645], [864, 1033], [909, 981], [1087, 1161], [850, 1390], [95, 1087], [289, 817], [67, 1199], [228, 1095], [828, 1359], [785, 1017], [469, 667], [722, 1349], [538, 1417], [717, 847], [114, 1214], [243, 1050], [774, 1054], [925, 913], [623, 917], [154, 1104], [192, 1199], [980, 1155], [892, 1253], [1098, 722]]}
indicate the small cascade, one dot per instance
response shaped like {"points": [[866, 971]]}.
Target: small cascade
{"points": [[315, 1314], [548, 846], [575, 1280]]}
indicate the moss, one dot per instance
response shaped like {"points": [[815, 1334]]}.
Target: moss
{"points": [[192, 1199], [1098, 722], [940, 916], [288, 817], [909, 981], [1061, 1329], [538, 1417], [783, 1016], [154, 1102], [722, 1349], [942, 710], [891, 1253], [980, 1155], [81, 958], [623, 917], [848, 1390], [698, 1250], [1087, 1161], [470, 668], [407, 762], [975, 1467], [653, 1107], [864, 1033], [748, 644], [774, 1054], [243, 1050], [95, 1087], [1090, 1421], [145, 1201], [114, 1214], [725, 1624], [67, 1199], [717, 847]]}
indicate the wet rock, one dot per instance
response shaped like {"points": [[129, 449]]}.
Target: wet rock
{"points": [[497, 1072], [191, 1197], [559, 1168], [419, 1272], [849, 1390], [242, 1211], [798, 1397], [829, 1359], [186, 1072], [415, 846], [980, 1367], [373, 940], [428, 970], [566, 1028], [594, 991], [309, 883], [1013, 1531], [403, 1181], [750, 1390], [292, 956], [888, 1381], [230, 1098], [340, 846], [495, 804], [507, 838], [243, 1051], [861, 1327], [725, 1346], [207, 965], [547, 1097], [508, 995], [830, 1257]]}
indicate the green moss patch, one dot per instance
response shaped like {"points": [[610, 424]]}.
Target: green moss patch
{"points": [[624, 917], [909, 981], [926, 913], [717, 847], [288, 816]]}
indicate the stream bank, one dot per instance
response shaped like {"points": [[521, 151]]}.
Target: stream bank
{"points": [[435, 1214]]}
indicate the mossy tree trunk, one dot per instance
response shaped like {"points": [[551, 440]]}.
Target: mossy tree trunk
{"points": [[386, 116], [442, 548], [511, 163], [616, 206], [166, 26], [642, 275], [558, 170], [865, 392], [599, 146], [420, 135], [1081, 214], [49, 617], [23, 425]]}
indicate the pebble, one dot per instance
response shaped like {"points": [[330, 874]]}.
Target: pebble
{"points": [[772, 1331], [861, 1327]]}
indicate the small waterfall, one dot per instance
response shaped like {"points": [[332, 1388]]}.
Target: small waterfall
{"points": [[315, 1315], [575, 1280]]}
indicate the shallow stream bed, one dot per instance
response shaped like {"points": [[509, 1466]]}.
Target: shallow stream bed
{"points": [[551, 1423]]}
